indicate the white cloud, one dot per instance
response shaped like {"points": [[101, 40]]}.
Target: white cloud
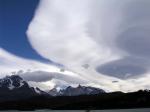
{"points": [[67, 40], [10, 63], [36, 73], [83, 33]]}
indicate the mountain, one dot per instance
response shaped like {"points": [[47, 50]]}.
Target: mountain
{"points": [[16, 94], [75, 91], [115, 100], [15, 88], [59, 79]]}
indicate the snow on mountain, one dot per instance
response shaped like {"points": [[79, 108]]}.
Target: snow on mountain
{"points": [[15, 83], [75, 91], [12, 82], [48, 80]]}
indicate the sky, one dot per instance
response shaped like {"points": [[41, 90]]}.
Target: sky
{"points": [[98, 42], [15, 17]]}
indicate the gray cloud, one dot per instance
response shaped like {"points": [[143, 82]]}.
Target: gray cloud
{"points": [[135, 41], [42, 76], [137, 11], [124, 68], [135, 29]]}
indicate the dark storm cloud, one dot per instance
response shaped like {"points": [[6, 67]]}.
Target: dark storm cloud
{"points": [[124, 68]]}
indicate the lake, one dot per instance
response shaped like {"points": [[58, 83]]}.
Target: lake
{"points": [[121, 110]]}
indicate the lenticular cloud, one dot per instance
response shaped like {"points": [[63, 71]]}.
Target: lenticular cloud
{"points": [[87, 36]]}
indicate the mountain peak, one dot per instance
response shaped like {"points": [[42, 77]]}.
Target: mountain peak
{"points": [[12, 82], [14, 87]]}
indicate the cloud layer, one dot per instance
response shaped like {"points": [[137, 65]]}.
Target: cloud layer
{"points": [[47, 76], [98, 39], [44, 76], [11, 63]]}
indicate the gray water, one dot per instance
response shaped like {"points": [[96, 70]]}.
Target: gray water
{"points": [[121, 110]]}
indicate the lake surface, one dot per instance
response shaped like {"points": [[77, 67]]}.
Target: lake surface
{"points": [[121, 110]]}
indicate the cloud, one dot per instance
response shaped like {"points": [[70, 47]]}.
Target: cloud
{"points": [[90, 37], [48, 80], [42, 76], [135, 41], [11, 63], [47, 76], [125, 68], [67, 40]]}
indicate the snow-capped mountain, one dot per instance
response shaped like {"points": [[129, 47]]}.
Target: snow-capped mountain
{"points": [[48, 80], [12, 82], [75, 91], [14, 87]]}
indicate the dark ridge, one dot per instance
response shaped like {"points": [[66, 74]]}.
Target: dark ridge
{"points": [[115, 100]]}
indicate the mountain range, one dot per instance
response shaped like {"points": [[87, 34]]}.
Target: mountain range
{"points": [[14, 85], [15, 93], [15, 88]]}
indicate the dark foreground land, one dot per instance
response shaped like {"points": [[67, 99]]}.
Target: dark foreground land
{"points": [[116, 100]]}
